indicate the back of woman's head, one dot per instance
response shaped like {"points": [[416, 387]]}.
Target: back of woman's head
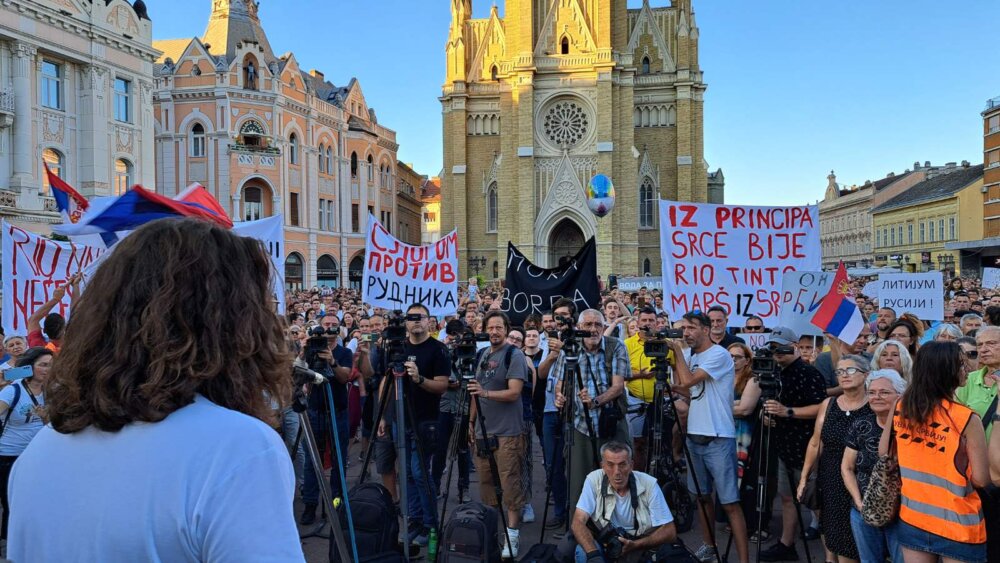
{"points": [[936, 375], [180, 307], [32, 355]]}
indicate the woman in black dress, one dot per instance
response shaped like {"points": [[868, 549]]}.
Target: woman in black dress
{"points": [[827, 447]]}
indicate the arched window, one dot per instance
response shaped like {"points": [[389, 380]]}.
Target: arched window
{"points": [[329, 160], [647, 204], [371, 169], [294, 272], [197, 141], [322, 156], [645, 65], [354, 165], [327, 274], [54, 160], [491, 209], [252, 133], [564, 49], [646, 269], [496, 269], [253, 205], [123, 176], [293, 149], [493, 72]]}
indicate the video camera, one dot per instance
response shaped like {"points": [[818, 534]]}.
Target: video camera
{"points": [[656, 345], [394, 338], [464, 348], [570, 337], [767, 371], [316, 344], [608, 538]]}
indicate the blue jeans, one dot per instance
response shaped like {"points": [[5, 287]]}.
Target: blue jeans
{"points": [[555, 463], [714, 464], [873, 543], [320, 423], [289, 432], [421, 505], [446, 425]]}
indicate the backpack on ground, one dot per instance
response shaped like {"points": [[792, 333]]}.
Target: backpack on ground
{"points": [[541, 553], [376, 522], [471, 534]]}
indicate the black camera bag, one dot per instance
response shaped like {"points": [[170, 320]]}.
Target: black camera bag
{"points": [[471, 535], [376, 521]]}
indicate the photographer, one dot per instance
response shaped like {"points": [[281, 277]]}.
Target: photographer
{"points": [[604, 368], [427, 368], [626, 508], [449, 415], [325, 355], [642, 384], [792, 414], [708, 374], [500, 376]]}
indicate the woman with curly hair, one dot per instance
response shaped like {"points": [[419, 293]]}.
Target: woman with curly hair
{"points": [[158, 449]]}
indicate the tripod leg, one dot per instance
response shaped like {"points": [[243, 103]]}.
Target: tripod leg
{"points": [[423, 465], [494, 468], [324, 487], [383, 400], [798, 514], [458, 433]]}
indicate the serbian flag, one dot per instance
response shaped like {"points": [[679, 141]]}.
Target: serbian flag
{"points": [[838, 315], [69, 201], [139, 206]]}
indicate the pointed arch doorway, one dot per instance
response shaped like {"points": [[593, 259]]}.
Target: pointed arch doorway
{"points": [[565, 241]]}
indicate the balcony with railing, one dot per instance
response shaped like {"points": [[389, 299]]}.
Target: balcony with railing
{"points": [[992, 104]]}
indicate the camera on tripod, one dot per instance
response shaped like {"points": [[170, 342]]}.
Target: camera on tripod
{"points": [[316, 344], [656, 345], [394, 338], [766, 370], [465, 349]]}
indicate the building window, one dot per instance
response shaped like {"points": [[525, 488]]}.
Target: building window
{"points": [[922, 237], [354, 165], [993, 159], [322, 157], [430, 217], [123, 89], [51, 85], [123, 176], [564, 46], [253, 206], [331, 216], [197, 141], [900, 229], [293, 149], [293, 204], [647, 204], [994, 124], [355, 219], [491, 209], [388, 219], [371, 170], [645, 65], [940, 229], [322, 215], [646, 269], [496, 269], [54, 160], [930, 229], [892, 236], [329, 160], [951, 228], [878, 238], [252, 133], [493, 73], [909, 233]]}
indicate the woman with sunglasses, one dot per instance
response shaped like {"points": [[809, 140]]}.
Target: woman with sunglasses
{"points": [[745, 404], [827, 449]]}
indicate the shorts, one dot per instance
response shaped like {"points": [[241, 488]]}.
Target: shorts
{"points": [[636, 416], [784, 487], [510, 457], [385, 455], [714, 465], [919, 540]]}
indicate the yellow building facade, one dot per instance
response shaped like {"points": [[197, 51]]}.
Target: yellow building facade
{"points": [[912, 230], [265, 136], [538, 102]]}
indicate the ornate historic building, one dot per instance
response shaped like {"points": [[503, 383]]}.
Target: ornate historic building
{"points": [[539, 101], [266, 137], [76, 82]]}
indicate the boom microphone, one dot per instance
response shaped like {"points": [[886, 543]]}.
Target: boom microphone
{"points": [[303, 375]]}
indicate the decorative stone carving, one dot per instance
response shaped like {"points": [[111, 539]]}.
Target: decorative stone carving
{"points": [[565, 123], [566, 193], [121, 18], [124, 139], [53, 128]]}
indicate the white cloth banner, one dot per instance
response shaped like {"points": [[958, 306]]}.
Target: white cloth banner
{"points": [[920, 294], [734, 256], [398, 275], [801, 294], [634, 283], [34, 266]]}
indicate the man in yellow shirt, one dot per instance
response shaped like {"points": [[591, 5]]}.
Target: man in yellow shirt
{"points": [[642, 384]]}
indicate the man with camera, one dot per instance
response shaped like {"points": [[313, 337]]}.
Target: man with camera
{"points": [[427, 369], [450, 414], [604, 367], [621, 514], [325, 355], [500, 375], [642, 384], [708, 375], [792, 414]]}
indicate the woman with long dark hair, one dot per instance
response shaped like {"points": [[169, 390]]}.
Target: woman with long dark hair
{"points": [[907, 333], [941, 448], [158, 450], [747, 394]]}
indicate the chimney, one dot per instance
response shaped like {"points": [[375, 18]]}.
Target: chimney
{"points": [[317, 74], [916, 165], [927, 164], [965, 164], [951, 165], [890, 175]]}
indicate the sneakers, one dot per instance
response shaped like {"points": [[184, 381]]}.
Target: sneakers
{"points": [[308, 514], [418, 536], [779, 552], [510, 549], [527, 514], [812, 533], [705, 553]]}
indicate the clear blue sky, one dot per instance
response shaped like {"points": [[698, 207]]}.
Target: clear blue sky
{"points": [[795, 87]]}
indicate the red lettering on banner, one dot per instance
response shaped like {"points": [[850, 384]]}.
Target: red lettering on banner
{"points": [[687, 220], [709, 245], [20, 238], [447, 275], [779, 246], [430, 271]]}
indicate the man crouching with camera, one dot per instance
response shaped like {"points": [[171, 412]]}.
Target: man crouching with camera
{"points": [[621, 514]]}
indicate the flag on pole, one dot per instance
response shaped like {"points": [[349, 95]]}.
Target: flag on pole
{"points": [[839, 315], [69, 201]]}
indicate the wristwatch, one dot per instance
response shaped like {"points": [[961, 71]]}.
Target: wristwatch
{"points": [[420, 379], [597, 404], [791, 412]]}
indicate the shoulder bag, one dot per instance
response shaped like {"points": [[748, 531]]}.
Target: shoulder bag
{"points": [[880, 504]]}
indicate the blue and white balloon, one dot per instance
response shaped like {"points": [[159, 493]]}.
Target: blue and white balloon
{"points": [[600, 195]]}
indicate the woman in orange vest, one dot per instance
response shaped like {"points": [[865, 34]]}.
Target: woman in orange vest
{"points": [[941, 447]]}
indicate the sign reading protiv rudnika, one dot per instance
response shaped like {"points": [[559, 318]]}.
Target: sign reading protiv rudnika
{"points": [[734, 256]]}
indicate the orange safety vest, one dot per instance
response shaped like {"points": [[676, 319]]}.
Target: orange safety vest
{"points": [[937, 495]]}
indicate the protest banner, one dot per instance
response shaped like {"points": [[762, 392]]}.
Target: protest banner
{"points": [[921, 294], [633, 284], [801, 294], [271, 232], [734, 256], [397, 274], [34, 266], [991, 278], [870, 289], [530, 289]]}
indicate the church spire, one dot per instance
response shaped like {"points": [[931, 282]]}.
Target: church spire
{"points": [[461, 12], [235, 22]]}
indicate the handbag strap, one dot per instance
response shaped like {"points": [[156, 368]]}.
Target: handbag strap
{"points": [[988, 417]]}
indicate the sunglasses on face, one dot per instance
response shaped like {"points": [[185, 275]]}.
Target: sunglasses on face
{"points": [[750, 328], [849, 371]]}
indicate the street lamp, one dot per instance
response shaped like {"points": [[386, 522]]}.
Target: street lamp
{"points": [[477, 263]]}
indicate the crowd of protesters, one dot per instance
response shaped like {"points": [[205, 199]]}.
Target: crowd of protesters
{"points": [[840, 406]]}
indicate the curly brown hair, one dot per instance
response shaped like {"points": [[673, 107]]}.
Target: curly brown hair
{"points": [[180, 307]]}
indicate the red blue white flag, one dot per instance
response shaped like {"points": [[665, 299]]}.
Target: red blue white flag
{"points": [[838, 314]]}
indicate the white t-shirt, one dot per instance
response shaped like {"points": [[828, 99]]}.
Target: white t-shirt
{"points": [[711, 411], [204, 484], [623, 516], [23, 424]]}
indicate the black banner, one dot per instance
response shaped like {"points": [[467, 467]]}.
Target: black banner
{"points": [[530, 289]]}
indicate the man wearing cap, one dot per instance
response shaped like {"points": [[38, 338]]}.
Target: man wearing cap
{"points": [[803, 389]]}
